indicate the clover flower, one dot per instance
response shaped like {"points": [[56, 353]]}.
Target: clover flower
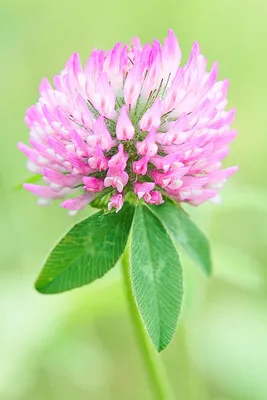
{"points": [[132, 124]]}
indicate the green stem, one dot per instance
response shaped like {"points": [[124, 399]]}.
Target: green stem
{"points": [[156, 373]]}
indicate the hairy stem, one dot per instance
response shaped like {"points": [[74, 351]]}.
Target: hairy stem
{"points": [[155, 371]]}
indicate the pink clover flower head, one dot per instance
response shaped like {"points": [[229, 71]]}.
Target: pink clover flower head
{"points": [[132, 123]]}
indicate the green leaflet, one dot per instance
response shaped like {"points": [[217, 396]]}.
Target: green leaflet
{"points": [[185, 233], [89, 250], [156, 275]]}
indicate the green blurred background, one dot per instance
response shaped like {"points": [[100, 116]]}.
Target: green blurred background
{"points": [[80, 345]]}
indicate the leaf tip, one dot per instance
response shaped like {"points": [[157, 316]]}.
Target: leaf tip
{"points": [[160, 348], [207, 266], [41, 287], [209, 271], [38, 287]]}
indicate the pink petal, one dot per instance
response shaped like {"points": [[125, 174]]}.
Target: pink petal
{"points": [[44, 86], [116, 201], [171, 54], [116, 178], [221, 175], [201, 196], [140, 166], [142, 188], [118, 160], [155, 197], [132, 86], [60, 179], [124, 127], [42, 191], [78, 203], [152, 118], [93, 184], [104, 98], [29, 152], [98, 160], [148, 147], [104, 138]]}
